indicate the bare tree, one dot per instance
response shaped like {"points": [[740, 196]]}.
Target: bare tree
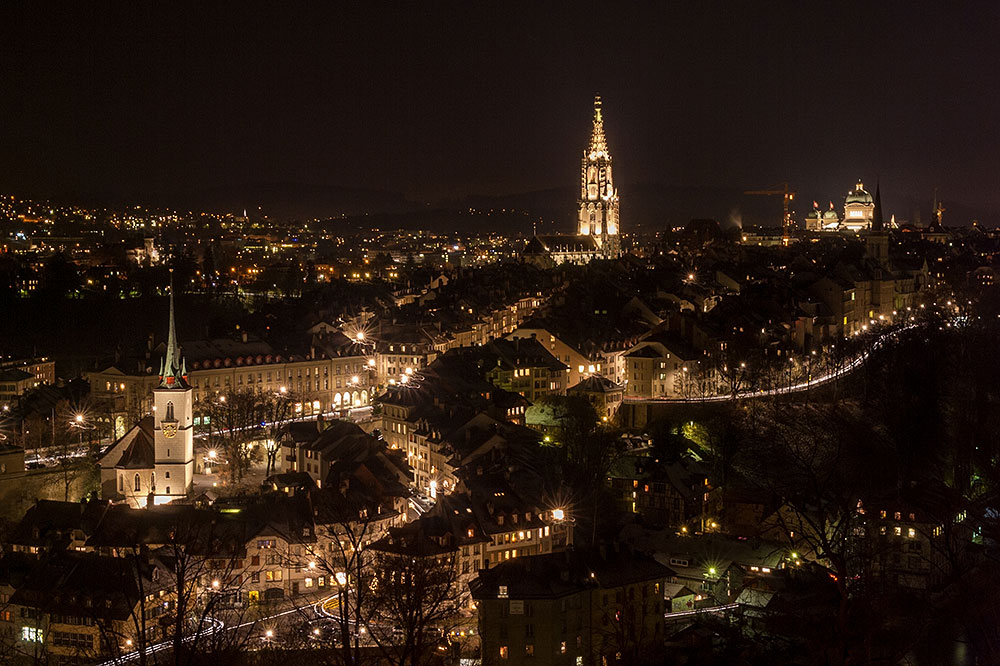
{"points": [[276, 411], [417, 600], [234, 422]]}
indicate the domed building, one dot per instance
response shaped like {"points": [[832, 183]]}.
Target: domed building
{"points": [[820, 220], [859, 206]]}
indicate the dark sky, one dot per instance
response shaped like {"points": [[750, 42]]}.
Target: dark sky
{"points": [[439, 100]]}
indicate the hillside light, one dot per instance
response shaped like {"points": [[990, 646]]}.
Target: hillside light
{"points": [[360, 336], [79, 418], [212, 454], [711, 571], [269, 633], [215, 583], [558, 514]]}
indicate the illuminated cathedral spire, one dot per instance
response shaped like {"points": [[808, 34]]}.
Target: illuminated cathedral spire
{"points": [[598, 143], [173, 370], [598, 215]]}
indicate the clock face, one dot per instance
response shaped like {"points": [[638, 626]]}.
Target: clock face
{"points": [[169, 429]]}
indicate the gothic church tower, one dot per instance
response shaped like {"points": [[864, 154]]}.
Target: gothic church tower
{"points": [[173, 431], [598, 196]]}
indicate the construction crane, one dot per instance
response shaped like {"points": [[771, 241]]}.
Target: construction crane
{"points": [[787, 195]]}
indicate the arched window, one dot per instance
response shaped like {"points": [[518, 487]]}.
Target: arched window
{"points": [[170, 411], [121, 483], [152, 481], [137, 482]]}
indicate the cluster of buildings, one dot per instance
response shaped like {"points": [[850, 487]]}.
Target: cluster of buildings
{"points": [[423, 418]]}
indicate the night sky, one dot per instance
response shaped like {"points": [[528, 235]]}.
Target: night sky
{"points": [[446, 100]]}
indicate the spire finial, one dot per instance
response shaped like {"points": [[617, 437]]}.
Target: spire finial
{"points": [[172, 371]]}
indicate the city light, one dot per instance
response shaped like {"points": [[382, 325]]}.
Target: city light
{"points": [[558, 514]]}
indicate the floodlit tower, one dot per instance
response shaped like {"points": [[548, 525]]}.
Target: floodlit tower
{"points": [[598, 196], [173, 432]]}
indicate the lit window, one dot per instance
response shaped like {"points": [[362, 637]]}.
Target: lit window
{"points": [[32, 634], [502, 592]]}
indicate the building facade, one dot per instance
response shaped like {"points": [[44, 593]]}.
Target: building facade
{"points": [[598, 229], [598, 214]]}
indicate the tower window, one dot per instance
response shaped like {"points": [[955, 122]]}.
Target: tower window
{"points": [[170, 411], [137, 483]]}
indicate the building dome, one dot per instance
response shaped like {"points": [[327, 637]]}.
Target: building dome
{"points": [[859, 195]]}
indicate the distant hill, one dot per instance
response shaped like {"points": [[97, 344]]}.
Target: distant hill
{"points": [[293, 201], [644, 206]]}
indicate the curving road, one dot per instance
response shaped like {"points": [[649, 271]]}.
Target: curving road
{"points": [[811, 383]]}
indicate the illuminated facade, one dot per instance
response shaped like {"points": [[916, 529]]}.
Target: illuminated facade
{"points": [[859, 208], [598, 215], [597, 232], [155, 458], [173, 429]]}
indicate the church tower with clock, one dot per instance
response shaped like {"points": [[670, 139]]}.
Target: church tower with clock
{"points": [[598, 216], [173, 431]]}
